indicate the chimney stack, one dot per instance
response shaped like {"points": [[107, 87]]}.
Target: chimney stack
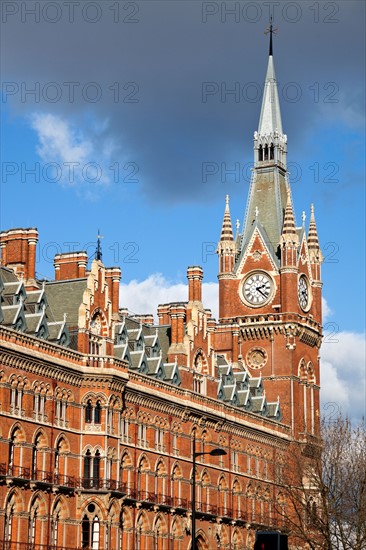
{"points": [[70, 265], [18, 252]]}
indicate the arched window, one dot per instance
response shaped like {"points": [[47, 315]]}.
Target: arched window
{"points": [[176, 485], [98, 413], [266, 152], [87, 467], [9, 520], [90, 528], [37, 456], [223, 496], [271, 152], [260, 153], [96, 468], [89, 411]]}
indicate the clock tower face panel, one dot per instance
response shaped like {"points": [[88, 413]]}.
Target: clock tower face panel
{"points": [[257, 289]]}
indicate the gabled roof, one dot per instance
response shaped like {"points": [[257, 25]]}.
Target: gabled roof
{"points": [[66, 297]]}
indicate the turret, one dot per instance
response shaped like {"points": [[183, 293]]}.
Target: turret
{"points": [[226, 248]]}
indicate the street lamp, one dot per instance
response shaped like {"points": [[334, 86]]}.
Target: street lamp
{"points": [[214, 452]]}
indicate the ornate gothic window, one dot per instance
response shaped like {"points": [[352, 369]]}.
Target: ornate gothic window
{"points": [[90, 529]]}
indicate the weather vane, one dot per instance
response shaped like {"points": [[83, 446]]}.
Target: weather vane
{"points": [[98, 250], [272, 31]]}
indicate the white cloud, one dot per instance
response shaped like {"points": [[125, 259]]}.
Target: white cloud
{"points": [[343, 374], [71, 155], [327, 311], [145, 296]]}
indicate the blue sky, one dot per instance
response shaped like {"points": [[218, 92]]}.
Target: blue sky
{"points": [[131, 113]]}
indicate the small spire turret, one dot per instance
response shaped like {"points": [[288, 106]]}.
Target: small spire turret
{"points": [[226, 248], [289, 237], [315, 254], [227, 228]]}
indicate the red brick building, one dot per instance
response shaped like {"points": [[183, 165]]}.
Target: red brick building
{"points": [[99, 408]]}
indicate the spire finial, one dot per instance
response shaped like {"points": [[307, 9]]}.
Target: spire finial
{"points": [[271, 31], [227, 200], [98, 250]]}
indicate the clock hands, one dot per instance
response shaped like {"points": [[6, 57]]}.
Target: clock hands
{"points": [[258, 288]]}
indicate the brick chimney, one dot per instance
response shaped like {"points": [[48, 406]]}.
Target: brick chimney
{"points": [[195, 276], [70, 265], [18, 252], [113, 277], [177, 316], [163, 314]]}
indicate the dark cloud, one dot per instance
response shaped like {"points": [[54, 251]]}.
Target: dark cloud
{"points": [[161, 62]]}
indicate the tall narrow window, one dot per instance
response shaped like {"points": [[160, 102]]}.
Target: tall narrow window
{"points": [[9, 523], [87, 468], [85, 532], [260, 153], [98, 413], [88, 411], [95, 533], [96, 468]]}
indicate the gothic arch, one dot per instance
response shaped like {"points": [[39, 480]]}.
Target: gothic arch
{"points": [[202, 540], [142, 522], [160, 467], [98, 322], [176, 470], [60, 505], [15, 499], [177, 528], [302, 370], [18, 431], [63, 443], [237, 540], [14, 505], [38, 503], [100, 508], [311, 373], [126, 518], [143, 463], [160, 524], [200, 362], [40, 438]]}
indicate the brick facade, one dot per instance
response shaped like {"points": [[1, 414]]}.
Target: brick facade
{"points": [[99, 408]]}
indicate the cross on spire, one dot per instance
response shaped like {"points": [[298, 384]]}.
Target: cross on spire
{"points": [[271, 31]]}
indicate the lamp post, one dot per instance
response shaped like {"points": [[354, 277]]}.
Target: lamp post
{"points": [[214, 452]]}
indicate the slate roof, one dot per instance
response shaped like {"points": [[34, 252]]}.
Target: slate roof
{"points": [[65, 297]]}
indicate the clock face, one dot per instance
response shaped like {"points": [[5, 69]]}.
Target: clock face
{"points": [[303, 292], [257, 288]]}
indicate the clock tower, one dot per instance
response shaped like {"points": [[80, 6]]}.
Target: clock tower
{"points": [[269, 280]]}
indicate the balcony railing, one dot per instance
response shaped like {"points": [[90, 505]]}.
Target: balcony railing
{"points": [[53, 478], [7, 545], [97, 484]]}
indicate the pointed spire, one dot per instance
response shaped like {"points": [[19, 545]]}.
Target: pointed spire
{"points": [[289, 228], [227, 229], [270, 118], [313, 241]]}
